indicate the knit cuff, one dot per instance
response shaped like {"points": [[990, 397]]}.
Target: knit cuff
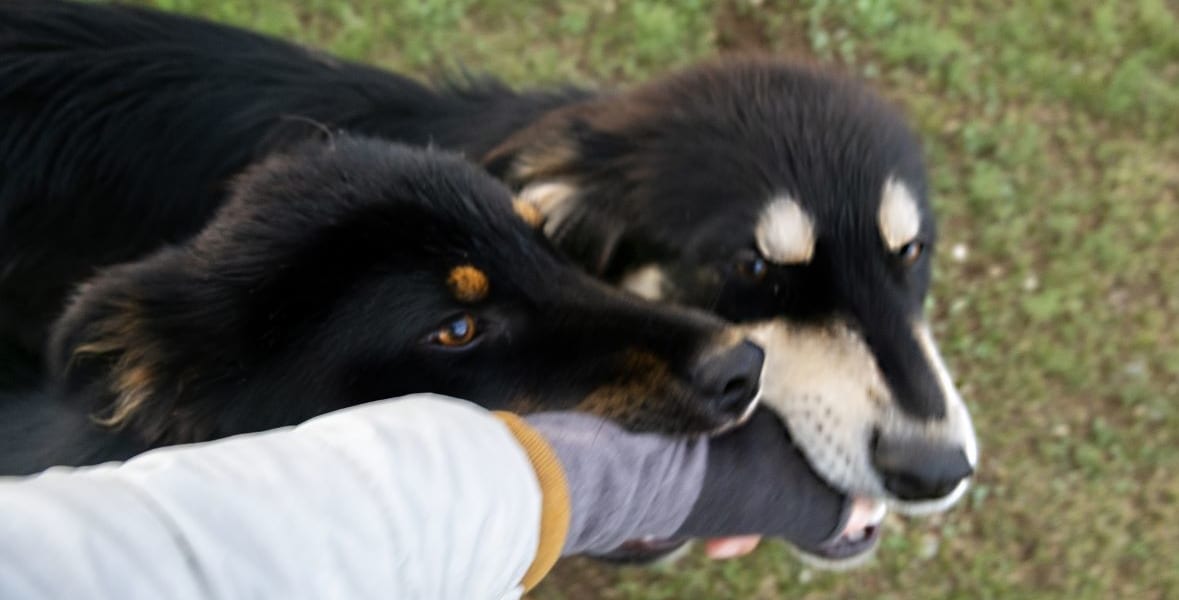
{"points": [[555, 504]]}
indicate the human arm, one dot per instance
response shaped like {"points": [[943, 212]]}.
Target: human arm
{"points": [[384, 500], [415, 497]]}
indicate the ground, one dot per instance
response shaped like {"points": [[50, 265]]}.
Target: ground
{"points": [[1050, 128]]}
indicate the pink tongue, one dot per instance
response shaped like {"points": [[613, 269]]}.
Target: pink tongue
{"points": [[731, 547]]}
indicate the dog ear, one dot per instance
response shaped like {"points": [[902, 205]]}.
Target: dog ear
{"points": [[564, 167], [116, 349], [588, 236], [545, 149], [100, 348]]}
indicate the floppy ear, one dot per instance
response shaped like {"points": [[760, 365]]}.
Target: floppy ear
{"points": [[117, 348], [101, 348], [563, 168]]}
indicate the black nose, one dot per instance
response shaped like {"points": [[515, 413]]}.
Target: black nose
{"points": [[916, 469], [729, 380]]}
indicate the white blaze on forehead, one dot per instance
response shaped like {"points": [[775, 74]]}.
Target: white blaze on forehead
{"points": [[900, 216], [785, 233]]}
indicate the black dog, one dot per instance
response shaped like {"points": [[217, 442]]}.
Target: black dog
{"points": [[353, 271], [752, 188]]}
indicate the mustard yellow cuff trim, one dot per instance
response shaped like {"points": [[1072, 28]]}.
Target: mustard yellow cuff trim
{"points": [[554, 506]]}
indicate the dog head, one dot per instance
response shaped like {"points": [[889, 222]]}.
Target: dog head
{"points": [[763, 191], [355, 270]]}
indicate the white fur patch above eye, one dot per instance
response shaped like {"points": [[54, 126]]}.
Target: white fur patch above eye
{"points": [[785, 233], [900, 216]]}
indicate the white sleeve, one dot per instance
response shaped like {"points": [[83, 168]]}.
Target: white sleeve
{"points": [[421, 497]]}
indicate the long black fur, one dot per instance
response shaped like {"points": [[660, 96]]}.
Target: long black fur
{"points": [[122, 127], [323, 283]]}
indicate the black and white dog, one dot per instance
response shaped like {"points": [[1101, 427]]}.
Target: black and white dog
{"points": [[777, 196]]}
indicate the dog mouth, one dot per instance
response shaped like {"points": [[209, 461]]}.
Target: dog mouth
{"points": [[740, 420], [859, 536], [856, 540]]}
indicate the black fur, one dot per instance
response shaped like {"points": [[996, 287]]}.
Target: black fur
{"points": [[320, 284], [122, 127], [676, 173]]}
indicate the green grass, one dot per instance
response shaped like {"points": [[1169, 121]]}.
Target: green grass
{"points": [[1050, 127]]}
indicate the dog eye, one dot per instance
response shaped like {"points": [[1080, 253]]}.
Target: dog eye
{"points": [[909, 253], [752, 267], [456, 333]]}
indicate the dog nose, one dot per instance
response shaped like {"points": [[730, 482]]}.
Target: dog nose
{"points": [[730, 379], [915, 469]]}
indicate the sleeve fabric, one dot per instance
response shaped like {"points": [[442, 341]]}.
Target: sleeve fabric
{"points": [[385, 500], [556, 508]]}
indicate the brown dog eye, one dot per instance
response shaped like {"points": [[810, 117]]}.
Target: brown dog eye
{"points": [[753, 268], [456, 333], [909, 253]]}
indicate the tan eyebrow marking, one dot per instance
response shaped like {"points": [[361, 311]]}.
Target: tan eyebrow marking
{"points": [[785, 233], [528, 212], [468, 284], [899, 216], [554, 200]]}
